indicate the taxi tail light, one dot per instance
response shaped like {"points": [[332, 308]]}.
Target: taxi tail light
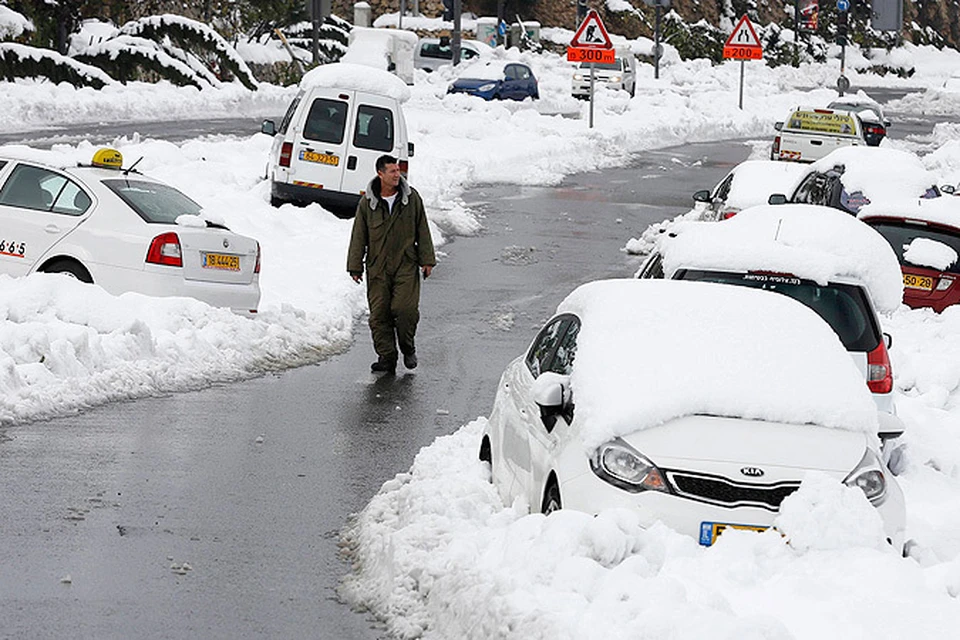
{"points": [[776, 146], [286, 151], [165, 249], [404, 166], [729, 214], [944, 283], [877, 130], [256, 267], [879, 371]]}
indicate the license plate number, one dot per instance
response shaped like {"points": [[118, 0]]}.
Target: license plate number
{"points": [[918, 282], [320, 158], [709, 531], [221, 261]]}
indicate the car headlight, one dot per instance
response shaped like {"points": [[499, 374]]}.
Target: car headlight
{"points": [[578, 76], [490, 86], [623, 466], [615, 79], [869, 477]]}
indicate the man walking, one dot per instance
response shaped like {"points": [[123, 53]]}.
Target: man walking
{"points": [[390, 234]]}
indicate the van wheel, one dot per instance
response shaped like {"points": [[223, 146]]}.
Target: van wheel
{"points": [[70, 268], [275, 202], [486, 455], [551, 497]]}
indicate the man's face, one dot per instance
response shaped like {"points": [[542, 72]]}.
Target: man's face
{"points": [[390, 174]]}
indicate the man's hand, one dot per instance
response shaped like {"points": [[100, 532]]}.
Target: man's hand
{"points": [[427, 270], [357, 277]]}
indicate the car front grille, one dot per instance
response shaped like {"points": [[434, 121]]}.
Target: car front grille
{"points": [[727, 493]]}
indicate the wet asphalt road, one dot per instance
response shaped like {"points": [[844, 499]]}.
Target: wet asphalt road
{"points": [[249, 484]]}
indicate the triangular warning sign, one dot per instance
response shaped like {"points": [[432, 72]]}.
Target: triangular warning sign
{"points": [[592, 33], [743, 35]]}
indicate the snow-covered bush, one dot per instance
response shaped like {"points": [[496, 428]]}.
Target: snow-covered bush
{"points": [[21, 61], [128, 58], [13, 24]]}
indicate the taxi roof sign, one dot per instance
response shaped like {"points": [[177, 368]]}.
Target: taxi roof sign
{"points": [[743, 43], [592, 34], [107, 158]]}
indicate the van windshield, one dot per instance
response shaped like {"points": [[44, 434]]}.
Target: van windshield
{"points": [[326, 121]]}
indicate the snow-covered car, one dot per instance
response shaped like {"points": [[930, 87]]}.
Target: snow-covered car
{"points": [[123, 231], [748, 184], [808, 134], [875, 121], [827, 260], [497, 80], [433, 53], [695, 404], [619, 74], [868, 179], [927, 243]]}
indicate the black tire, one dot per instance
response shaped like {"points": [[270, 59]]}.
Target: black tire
{"points": [[275, 202], [551, 498], [70, 268], [485, 455]]}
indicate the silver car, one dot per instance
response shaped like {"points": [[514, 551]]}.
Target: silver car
{"points": [[433, 53]]}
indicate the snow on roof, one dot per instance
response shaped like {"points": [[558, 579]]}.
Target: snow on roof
{"points": [[356, 77], [755, 180], [888, 177], [809, 241], [650, 351], [492, 70], [944, 210]]}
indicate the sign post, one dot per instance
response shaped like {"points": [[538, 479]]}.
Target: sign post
{"points": [[591, 43], [743, 44]]}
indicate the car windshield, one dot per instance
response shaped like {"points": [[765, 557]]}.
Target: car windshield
{"points": [[154, 202], [843, 306], [611, 66], [901, 234]]}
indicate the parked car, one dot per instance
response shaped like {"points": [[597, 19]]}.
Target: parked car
{"points": [[809, 134], [433, 53], [123, 231], [342, 119], [748, 184], [619, 74], [829, 261], [498, 80], [695, 404], [855, 179], [875, 122], [927, 243]]}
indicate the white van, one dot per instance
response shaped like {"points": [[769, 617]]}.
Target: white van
{"points": [[808, 134], [343, 118]]}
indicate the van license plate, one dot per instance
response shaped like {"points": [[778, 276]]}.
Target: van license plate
{"points": [[710, 531], [320, 158], [917, 282], [221, 261]]}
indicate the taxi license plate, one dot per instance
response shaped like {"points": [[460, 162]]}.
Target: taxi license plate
{"points": [[917, 282], [221, 261], [321, 158], [709, 531]]}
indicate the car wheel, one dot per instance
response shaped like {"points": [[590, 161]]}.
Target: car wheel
{"points": [[551, 497], [486, 455], [70, 268]]}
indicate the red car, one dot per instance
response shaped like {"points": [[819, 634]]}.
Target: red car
{"points": [[923, 285]]}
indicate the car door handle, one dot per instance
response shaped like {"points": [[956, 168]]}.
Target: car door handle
{"points": [[52, 228], [352, 163], [816, 143]]}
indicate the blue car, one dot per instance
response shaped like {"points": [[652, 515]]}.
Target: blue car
{"points": [[498, 81]]}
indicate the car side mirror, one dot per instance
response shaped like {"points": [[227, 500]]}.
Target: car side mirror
{"points": [[948, 189], [551, 392], [268, 127], [410, 149], [887, 340], [886, 124], [778, 126], [701, 196], [777, 198]]}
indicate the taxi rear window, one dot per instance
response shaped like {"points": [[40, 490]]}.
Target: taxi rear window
{"points": [[832, 122], [154, 202], [901, 234]]}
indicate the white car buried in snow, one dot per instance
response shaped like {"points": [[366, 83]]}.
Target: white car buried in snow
{"points": [[122, 231], [699, 405]]}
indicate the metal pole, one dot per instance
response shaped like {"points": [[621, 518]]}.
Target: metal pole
{"points": [[591, 94], [843, 61], [403, 9], [656, 42], [455, 40], [315, 16], [796, 33], [741, 84]]}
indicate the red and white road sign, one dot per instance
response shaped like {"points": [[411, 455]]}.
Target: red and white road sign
{"points": [[592, 34], [743, 43]]}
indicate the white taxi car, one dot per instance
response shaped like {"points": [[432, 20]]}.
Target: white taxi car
{"points": [[696, 404], [123, 231]]}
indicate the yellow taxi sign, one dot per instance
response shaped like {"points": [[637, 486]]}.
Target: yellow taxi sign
{"points": [[107, 158]]}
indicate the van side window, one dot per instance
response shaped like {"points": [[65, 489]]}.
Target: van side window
{"points": [[326, 121], [288, 116], [374, 128]]}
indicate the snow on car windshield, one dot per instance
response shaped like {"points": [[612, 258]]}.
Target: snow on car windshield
{"points": [[808, 241], [486, 71], [755, 180], [650, 351], [888, 177]]}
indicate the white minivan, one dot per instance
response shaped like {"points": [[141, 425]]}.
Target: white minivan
{"points": [[343, 118]]}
